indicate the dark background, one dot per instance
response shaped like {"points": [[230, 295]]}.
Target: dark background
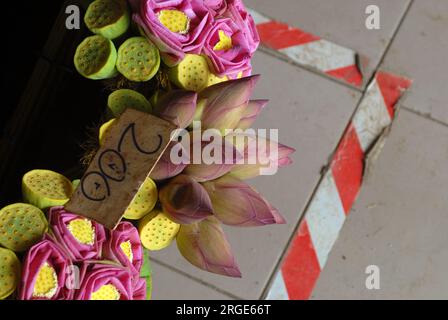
{"points": [[46, 107]]}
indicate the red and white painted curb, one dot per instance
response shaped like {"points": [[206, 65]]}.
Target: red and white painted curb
{"points": [[309, 50], [337, 192]]}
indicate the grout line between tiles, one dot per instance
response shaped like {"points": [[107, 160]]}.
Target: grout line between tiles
{"points": [[285, 249], [202, 282], [273, 274], [307, 205], [309, 69], [401, 85], [308, 202], [310, 198], [427, 116], [397, 29]]}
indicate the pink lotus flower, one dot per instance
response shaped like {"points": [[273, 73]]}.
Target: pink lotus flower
{"points": [[229, 49], [217, 7], [177, 107], [124, 247], [45, 273], [259, 153], [225, 103], [177, 27], [205, 246], [250, 113], [82, 238], [235, 203], [237, 12], [216, 164], [185, 200], [165, 168], [104, 281], [140, 289]]}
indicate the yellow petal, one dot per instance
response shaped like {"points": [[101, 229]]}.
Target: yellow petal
{"points": [[126, 247], [225, 42]]}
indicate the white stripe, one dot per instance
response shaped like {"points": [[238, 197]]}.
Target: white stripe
{"points": [[322, 55], [325, 218], [372, 116], [278, 290], [258, 17]]}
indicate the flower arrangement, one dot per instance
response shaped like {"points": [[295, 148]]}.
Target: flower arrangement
{"points": [[187, 62], [68, 257]]}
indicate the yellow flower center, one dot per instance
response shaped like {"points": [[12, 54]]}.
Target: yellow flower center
{"points": [[126, 247], [106, 292], [82, 230], [174, 20], [46, 283], [225, 42]]}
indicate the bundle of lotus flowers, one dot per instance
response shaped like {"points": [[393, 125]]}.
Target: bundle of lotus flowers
{"points": [[200, 42], [66, 256], [204, 48], [195, 199]]}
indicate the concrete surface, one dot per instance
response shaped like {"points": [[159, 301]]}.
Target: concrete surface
{"points": [[340, 21], [170, 285], [399, 222], [420, 52]]}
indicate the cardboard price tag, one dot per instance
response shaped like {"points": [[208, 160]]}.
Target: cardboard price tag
{"points": [[131, 149]]}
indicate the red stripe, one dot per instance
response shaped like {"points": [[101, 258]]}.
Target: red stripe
{"points": [[279, 36], [347, 168], [350, 74], [391, 88], [301, 268]]}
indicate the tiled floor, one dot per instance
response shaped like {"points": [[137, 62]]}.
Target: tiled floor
{"points": [[340, 21], [399, 222]]}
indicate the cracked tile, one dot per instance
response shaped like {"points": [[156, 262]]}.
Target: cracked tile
{"points": [[399, 222], [420, 52]]}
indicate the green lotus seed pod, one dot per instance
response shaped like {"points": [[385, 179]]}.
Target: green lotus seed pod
{"points": [[138, 59], [9, 273], [95, 58], [108, 18], [192, 73], [21, 226], [122, 99], [45, 189]]}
